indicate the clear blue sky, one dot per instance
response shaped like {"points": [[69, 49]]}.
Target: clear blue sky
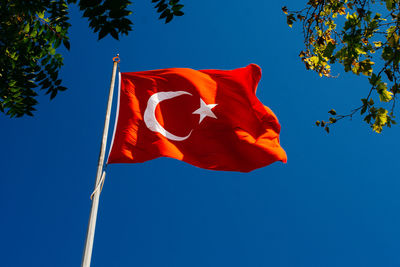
{"points": [[335, 203]]}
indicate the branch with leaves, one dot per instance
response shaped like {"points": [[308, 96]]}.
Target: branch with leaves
{"points": [[32, 31], [364, 41]]}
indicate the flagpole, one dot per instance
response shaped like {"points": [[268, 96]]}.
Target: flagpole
{"points": [[87, 252]]}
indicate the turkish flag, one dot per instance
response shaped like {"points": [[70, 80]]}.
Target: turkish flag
{"points": [[211, 119]]}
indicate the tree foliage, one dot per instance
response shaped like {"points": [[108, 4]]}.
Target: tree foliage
{"points": [[30, 33], [363, 36]]}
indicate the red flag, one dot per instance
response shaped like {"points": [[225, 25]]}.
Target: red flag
{"points": [[211, 119]]}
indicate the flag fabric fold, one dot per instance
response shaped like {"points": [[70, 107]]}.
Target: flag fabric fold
{"points": [[211, 119]]}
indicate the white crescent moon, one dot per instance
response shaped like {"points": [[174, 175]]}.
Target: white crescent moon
{"points": [[150, 117]]}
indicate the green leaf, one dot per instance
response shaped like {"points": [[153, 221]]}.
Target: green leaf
{"points": [[389, 74], [41, 14], [177, 7], [27, 27], [12, 83], [165, 13], [363, 110], [162, 7], [178, 13], [33, 33], [384, 94], [103, 32], [329, 49], [371, 102], [119, 13], [66, 44], [169, 18], [53, 94], [114, 33], [374, 79]]}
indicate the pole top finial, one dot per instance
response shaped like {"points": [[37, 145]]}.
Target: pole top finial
{"points": [[116, 59]]}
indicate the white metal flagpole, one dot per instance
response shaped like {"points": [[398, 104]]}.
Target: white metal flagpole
{"points": [[87, 252]]}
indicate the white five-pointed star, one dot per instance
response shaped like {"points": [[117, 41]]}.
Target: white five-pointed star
{"points": [[205, 110]]}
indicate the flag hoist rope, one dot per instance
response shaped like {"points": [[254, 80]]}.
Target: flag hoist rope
{"points": [[87, 252]]}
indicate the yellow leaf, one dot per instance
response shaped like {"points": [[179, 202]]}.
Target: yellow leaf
{"points": [[314, 60], [380, 120], [378, 44], [385, 96], [359, 51], [377, 128]]}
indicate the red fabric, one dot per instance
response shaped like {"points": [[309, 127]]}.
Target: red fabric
{"points": [[243, 136]]}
